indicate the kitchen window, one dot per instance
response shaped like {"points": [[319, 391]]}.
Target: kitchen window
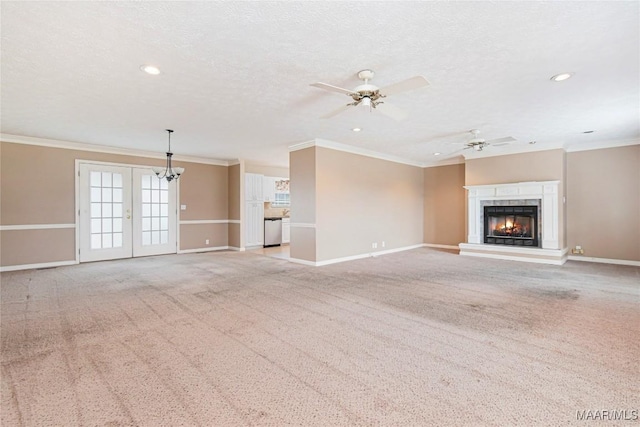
{"points": [[282, 199]]}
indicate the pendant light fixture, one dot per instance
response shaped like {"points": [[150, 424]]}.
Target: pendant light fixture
{"points": [[168, 172]]}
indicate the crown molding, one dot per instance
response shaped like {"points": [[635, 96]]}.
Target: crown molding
{"points": [[522, 149], [567, 147], [68, 145], [324, 143], [458, 160], [601, 145], [302, 145]]}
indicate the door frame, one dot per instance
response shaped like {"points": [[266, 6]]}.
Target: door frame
{"points": [[129, 165]]}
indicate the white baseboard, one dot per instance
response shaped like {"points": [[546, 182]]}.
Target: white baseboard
{"points": [[235, 248], [214, 248], [353, 257], [434, 245], [402, 249], [604, 260], [34, 266], [303, 262]]}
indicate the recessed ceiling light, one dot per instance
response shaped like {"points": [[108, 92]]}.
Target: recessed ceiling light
{"points": [[561, 77], [356, 129], [436, 154], [589, 131], [150, 69]]}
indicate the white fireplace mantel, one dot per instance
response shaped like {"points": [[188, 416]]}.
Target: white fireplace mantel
{"points": [[545, 191]]}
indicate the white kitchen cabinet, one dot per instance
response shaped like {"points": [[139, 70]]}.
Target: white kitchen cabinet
{"points": [[254, 223], [286, 230], [253, 187], [269, 188], [254, 210]]}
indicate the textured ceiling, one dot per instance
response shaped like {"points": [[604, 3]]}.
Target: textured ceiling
{"points": [[235, 75]]}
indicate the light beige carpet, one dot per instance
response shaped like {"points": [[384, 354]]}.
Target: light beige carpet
{"points": [[422, 337]]}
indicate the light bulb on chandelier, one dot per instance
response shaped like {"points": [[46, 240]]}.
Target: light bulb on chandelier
{"points": [[168, 172]]}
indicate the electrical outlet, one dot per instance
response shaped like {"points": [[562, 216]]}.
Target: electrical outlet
{"points": [[374, 245], [383, 243], [183, 207], [206, 242], [577, 250]]}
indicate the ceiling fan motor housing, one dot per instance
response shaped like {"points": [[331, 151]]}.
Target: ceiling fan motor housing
{"points": [[366, 91]]}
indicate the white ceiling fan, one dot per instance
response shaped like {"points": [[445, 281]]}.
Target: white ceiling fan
{"points": [[478, 144], [371, 96]]}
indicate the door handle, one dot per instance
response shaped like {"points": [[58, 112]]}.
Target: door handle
{"points": [[128, 216]]}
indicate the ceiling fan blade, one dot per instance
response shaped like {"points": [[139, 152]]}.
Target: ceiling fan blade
{"points": [[336, 112], [391, 111], [501, 141], [405, 85], [331, 88]]}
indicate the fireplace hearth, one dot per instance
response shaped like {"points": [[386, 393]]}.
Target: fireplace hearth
{"points": [[511, 225]]}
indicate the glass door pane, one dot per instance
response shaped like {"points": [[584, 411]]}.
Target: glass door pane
{"points": [[106, 209]]}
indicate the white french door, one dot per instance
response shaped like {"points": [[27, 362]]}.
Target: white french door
{"points": [[154, 222], [105, 212], [125, 212]]}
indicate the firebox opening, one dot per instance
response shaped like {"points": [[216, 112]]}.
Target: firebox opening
{"points": [[511, 225]]}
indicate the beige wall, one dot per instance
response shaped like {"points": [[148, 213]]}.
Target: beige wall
{"points": [[235, 200], [535, 166], [194, 236], [361, 200], [235, 241], [37, 186], [549, 165], [303, 204], [204, 190], [603, 202], [18, 247], [234, 192], [444, 205]]}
